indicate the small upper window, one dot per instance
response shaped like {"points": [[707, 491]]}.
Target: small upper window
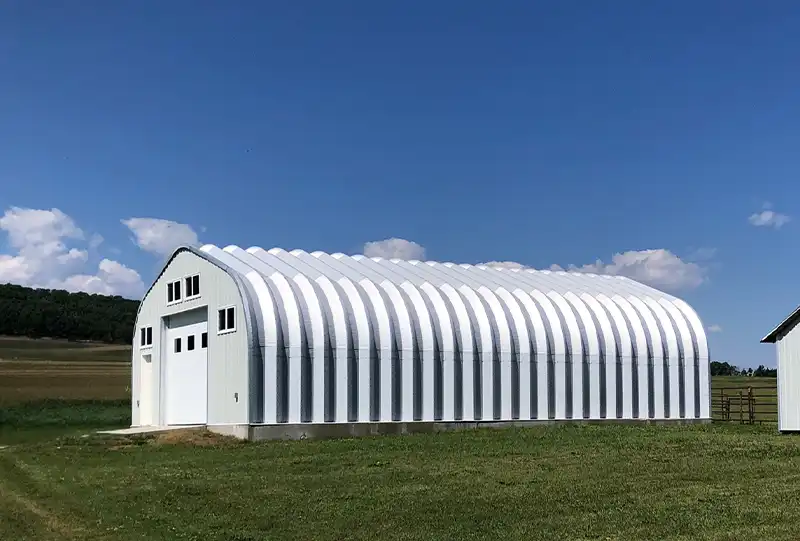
{"points": [[177, 345], [192, 286], [204, 340], [174, 291], [146, 336], [190, 343], [226, 319]]}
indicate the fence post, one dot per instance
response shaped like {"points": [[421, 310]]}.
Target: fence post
{"points": [[741, 407], [751, 403]]}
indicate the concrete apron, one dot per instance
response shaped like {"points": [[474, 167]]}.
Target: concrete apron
{"points": [[136, 430], [348, 430]]}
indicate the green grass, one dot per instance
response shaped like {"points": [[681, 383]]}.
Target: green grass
{"points": [[59, 480], [562, 482]]}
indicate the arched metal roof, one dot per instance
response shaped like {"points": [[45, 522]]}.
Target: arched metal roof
{"points": [[368, 339]]}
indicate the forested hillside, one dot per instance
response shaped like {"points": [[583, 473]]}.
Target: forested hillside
{"points": [[39, 313]]}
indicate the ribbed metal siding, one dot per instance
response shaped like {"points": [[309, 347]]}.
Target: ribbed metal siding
{"points": [[368, 339], [788, 347]]}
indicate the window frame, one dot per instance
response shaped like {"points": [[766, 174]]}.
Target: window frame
{"points": [[146, 337], [189, 281], [174, 287], [224, 309]]}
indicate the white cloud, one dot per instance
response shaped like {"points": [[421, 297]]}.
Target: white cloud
{"points": [[160, 237], [504, 265], [32, 228], [112, 278], [95, 241], [658, 268], [714, 328], [394, 249], [768, 218], [42, 258]]}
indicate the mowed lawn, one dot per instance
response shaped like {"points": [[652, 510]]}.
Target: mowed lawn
{"points": [[560, 482], [60, 480]]}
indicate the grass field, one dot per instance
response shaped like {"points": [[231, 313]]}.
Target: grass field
{"points": [[59, 480], [567, 482]]}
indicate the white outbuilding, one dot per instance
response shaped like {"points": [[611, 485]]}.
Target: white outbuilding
{"points": [[273, 344], [786, 336]]}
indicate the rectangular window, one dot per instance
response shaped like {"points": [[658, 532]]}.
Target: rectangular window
{"points": [[177, 345], [190, 343], [192, 286], [146, 336], [204, 340], [226, 319], [174, 291]]}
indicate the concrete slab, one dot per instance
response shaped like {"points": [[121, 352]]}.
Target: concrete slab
{"points": [[348, 430], [136, 430]]}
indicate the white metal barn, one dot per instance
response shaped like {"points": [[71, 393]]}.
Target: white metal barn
{"points": [[787, 338], [266, 344]]}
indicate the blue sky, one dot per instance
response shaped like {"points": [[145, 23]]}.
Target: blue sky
{"points": [[557, 133]]}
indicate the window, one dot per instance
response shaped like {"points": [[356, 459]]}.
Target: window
{"points": [[204, 340], [192, 286], [146, 336], [190, 343], [177, 345], [226, 320], [174, 291]]}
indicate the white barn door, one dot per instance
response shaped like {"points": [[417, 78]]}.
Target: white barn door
{"points": [[186, 374]]}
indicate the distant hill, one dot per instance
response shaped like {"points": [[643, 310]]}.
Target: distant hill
{"points": [[50, 313]]}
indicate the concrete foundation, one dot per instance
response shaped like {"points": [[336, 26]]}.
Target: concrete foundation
{"points": [[350, 430]]}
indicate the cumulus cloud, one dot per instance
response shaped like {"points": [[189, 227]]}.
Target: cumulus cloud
{"points": [[714, 328], [40, 255], [394, 248], [768, 218], [658, 268], [160, 237], [112, 278]]}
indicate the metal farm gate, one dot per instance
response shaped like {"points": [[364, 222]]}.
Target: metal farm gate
{"points": [[745, 405]]}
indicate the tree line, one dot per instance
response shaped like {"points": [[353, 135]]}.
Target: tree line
{"points": [[52, 313], [726, 369]]}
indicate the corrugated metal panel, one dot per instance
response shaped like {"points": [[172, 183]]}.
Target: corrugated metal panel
{"points": [[359, 339], [789, 380]]}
